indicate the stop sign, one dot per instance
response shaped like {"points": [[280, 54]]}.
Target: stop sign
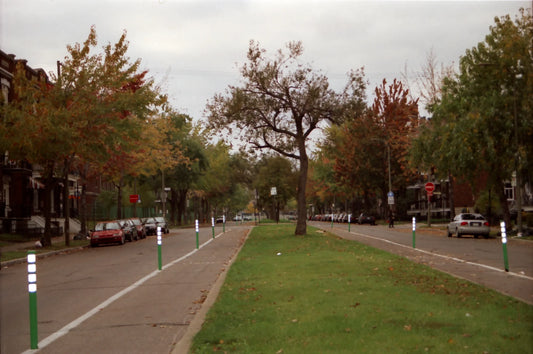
{"points": [[430, 187]]}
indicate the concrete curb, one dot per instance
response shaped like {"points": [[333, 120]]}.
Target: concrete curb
{"points": [[11, 262]]}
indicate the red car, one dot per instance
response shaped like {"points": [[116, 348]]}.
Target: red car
{"points": [[107, 232]]}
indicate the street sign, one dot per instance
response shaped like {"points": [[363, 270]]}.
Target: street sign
{"points": [[134, 198], [273, 191], [430, 187], [390, 197]]}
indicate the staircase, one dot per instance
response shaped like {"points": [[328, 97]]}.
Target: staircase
{"points": [[39, 222]]}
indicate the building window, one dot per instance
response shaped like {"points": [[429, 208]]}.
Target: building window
{"points": [[509, 191]]}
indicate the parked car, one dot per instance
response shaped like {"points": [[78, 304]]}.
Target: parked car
{"points": [[150, 226], [220, 219], [161, 222], [129, 229], [366, 219], [469, 224], [139, 226], [107, 232]]}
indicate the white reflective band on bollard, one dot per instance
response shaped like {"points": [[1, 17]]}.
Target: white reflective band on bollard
{"points": [[197, 228], [32, 273], [213, 222], [414, 223], [159, 239], [504, 232]]}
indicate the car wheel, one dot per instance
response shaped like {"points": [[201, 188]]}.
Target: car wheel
{"points": [[123, 240], [94, 244], [486, 236], [449, 233]]}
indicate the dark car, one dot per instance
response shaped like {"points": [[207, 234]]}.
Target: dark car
{"points": [[129, 230], [161, 222], [366, 219], [150, 226], [139, 226], [107, 232]]}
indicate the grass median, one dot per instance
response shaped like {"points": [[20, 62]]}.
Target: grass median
{"points": [[322, 294]]}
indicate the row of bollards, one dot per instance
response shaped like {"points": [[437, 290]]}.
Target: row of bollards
{"points": [[31, 259]]}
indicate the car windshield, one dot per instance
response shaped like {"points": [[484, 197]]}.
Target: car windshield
{"points": [[160, 219], [107, 226], [149, 221], [136, 221]]}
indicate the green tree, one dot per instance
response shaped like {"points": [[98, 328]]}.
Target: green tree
{"points": [[280, 103], [275, 171], [484, 120]]}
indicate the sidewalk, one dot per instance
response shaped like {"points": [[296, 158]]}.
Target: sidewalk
{"points": [[183, 291], [30, 245]]}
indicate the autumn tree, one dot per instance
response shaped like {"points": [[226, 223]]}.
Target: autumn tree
{"points": [[484, 120], [280, 103], [93, 111], [182, 176], [372, 149]]}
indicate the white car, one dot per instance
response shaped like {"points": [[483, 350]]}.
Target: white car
{"points": [[469, 224]]}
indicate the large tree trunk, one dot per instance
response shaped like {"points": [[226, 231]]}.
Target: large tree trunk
{"points": [[49, 187], [66, 203], [505, 206], [301, 223], [451, 197]]}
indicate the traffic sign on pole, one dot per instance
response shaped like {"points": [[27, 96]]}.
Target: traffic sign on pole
{"points": [[390, 197]]}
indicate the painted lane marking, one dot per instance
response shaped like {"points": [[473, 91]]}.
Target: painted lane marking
{"points": [[446, 257], [61, 332]]}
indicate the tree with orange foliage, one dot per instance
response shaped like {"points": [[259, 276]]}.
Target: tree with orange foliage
{"points": [[366, 143], [94, 111]]}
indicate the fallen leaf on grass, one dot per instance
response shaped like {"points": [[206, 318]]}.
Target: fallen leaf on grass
{"points": [[407, 327]]}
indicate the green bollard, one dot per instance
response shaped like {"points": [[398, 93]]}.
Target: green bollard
{"points": [[197, 231], [159, 242], [504, 245], [213, 226], [414, 232], [32, 288], [349, 221], [224, 223]]}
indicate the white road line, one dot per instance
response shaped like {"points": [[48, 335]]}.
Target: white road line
{"points": [[54, 336], [446, 257]]}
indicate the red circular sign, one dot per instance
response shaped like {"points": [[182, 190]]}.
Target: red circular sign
{"points": [[430, 187]]}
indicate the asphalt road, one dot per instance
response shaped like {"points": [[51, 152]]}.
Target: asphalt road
{"points": [[113, 299], [478, 260]]}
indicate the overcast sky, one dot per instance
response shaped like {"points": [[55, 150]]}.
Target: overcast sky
{"points": [[194, 48]]}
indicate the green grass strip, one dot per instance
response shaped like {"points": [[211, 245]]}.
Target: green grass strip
{"points": [[323, 294]]}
